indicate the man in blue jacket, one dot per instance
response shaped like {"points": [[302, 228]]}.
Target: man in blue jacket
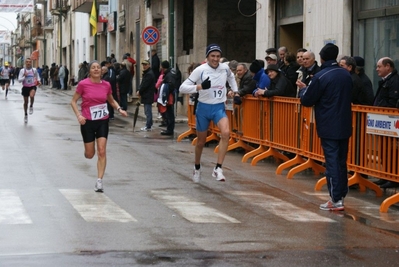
{"points": [[330, 93]]}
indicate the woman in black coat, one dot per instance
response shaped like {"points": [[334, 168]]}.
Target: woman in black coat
{"points": [[279, 86]]}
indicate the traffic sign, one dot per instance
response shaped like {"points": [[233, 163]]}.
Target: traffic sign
{"points": [[150, 35]]}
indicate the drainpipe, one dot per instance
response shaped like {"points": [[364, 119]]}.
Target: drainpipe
{"points": [[60, 29], [172, 32]]}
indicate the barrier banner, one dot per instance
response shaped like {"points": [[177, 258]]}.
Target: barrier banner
{"points": [[383, 125], [16, 6]]}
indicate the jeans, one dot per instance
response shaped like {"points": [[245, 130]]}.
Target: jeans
{"points": [[148, 114], [62, 80], [335, 154]]}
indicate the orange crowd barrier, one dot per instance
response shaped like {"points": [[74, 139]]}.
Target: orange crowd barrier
{"points": [[280, 126]]}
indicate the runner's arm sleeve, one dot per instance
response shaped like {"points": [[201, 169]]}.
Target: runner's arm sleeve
{"points": [[189, 86], [21, 75]]}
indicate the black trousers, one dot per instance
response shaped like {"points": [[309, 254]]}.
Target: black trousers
{"points": [[170, 118]]}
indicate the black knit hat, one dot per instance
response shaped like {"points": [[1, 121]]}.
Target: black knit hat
{"points": [[211, 48], [273, 67], [165, 64], [329, 52], [359, 61], [255, 66]]}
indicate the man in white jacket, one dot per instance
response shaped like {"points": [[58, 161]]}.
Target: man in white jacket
{"points": [[209, 80]]}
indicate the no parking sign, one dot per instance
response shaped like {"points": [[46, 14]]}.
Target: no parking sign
{"points": [[150, 35]]}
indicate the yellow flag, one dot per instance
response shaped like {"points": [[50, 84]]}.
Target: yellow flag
{"points": [[93, 18]]}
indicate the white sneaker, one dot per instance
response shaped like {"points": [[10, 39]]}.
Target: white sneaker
{"points": [[99, 186], [30, 110], [26, 119], [145, 129], [218, 174], [196, 176]]}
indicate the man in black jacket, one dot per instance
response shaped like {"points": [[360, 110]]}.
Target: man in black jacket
{"points": [[146, 91], [310, 67], [123, 80], [247, 84], [359, 94], [387, 96], [169, 114]]}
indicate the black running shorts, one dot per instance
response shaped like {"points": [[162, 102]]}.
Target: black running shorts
{"points": [[26, 90], [92, 130]]}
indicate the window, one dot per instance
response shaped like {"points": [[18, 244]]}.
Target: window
{"points": [[291, 8], [373, 4], [380, 39]]}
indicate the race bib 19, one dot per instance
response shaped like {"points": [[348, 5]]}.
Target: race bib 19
{"points": [[99, 112], [217, 93]]}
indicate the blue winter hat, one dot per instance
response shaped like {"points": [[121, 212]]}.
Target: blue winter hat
{"points": [[213, 47]]}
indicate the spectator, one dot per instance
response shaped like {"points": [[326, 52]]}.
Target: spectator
{"points": [[359, 95], [281, 53], [387, 96], [146, 91], [259, 75], [169, 113], [111, 73], [155, 63], [61, 76], [271, 50], [123, 80], [83, 71], [45, 75], [330, 94], [290, 68], [66, 77], [368, 86], [247, 84], [279, 86], [52, 76], [271, 59], [301, 70], [310, 67]]}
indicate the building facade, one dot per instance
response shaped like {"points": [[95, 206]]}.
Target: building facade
{"points": [[244, 29]]}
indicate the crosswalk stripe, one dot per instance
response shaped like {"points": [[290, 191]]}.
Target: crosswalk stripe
{"points": [[96, 207], [280, 208], [12, 210], [363, 206], [191, 210]]}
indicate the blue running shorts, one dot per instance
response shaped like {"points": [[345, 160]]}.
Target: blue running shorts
{"points": [[207, 112]]}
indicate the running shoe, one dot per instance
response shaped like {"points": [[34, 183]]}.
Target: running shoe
{"points": [[99, 186], [30, 110], [146, 129], [196, 176], [26, 119], [218, 174], [333, 206]]}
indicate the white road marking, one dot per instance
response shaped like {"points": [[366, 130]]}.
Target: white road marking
{"points": [[96, 207], [280, 208], [12, 210], [191, 210], [364, 207]]}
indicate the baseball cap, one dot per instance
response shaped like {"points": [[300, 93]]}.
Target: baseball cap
{"points": [[272, 56]]}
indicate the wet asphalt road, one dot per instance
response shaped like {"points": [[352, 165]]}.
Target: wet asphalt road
{"points": [[152, 214]]}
